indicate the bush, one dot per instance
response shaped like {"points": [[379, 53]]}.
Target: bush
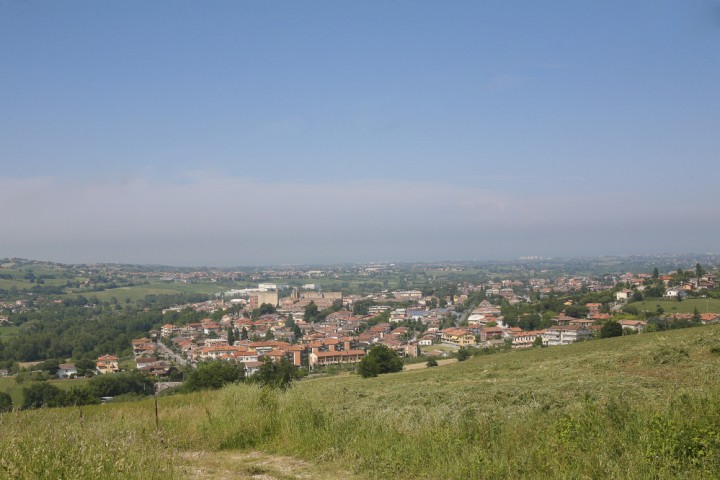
{"points": [[379, 359], [611, 329], [278, 374], [432, 362], [463, 354], [111, 385], [213, 375], [5, 402]]}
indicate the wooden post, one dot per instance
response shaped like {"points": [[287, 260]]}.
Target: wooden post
{"points": [[157, 420]]}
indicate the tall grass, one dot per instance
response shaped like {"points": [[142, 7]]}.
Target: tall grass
{"points": [[646, 406]]}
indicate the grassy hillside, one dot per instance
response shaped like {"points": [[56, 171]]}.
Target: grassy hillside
{"points": [[643, 406], [704, 305], [139, 292]]}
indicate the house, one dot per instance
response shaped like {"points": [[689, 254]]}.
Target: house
{"points": [[167, 330], [330, 358], [706, 318], [525, 339], [563, 319], [585, 322], [426, 341], [107, 364], [489, 333], [66, 370], [458, 336], [144, 362], [637, 325], [252, 367], [623, 295], [675, 292], [565, 335]]}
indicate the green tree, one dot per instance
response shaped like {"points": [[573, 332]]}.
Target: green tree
{"points": [[212, 375], [432, 362], [311, 312], [576, 311], [463, 354], [362, 307], [611, 329], [379, 359], [278, 374], [115, 384], [42, 394], [655, 274], [5, 402], [244, 334], [538, 342], [231, 336]]}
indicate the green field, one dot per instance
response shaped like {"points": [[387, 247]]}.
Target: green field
{"points": [[634, 407], [704, 305], [7, 333], [8, 385], [139, 292]]}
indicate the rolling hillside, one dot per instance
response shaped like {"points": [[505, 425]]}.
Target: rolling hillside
{"points": [[643, 406]]}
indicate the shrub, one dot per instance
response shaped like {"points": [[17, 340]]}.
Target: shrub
{"points": [[379, 359], [213, 375]]}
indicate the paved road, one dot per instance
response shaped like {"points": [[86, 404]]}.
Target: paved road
{"points": [[170, 355]]}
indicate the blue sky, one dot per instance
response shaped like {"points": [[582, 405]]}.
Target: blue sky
{"points": [[259, 132]]}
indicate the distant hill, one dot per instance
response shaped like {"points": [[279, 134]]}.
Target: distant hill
{"points": [[641, 406]]}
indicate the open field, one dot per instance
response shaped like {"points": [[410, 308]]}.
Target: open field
{"points": [[7, 333], [8, 385], [641, 406], [704, 305], [139, 292]]}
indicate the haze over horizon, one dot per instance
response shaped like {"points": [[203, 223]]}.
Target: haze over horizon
{"points": [[247, 133]]}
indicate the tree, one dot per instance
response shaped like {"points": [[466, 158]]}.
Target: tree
{"points": [[231, 336], [212, 375], [655, 274], [611, 329], [362, 307], [311, 312], [42, 394], [5, 402], [699, 272], [244, 334], [576, 311], [85, 366], [379, 359], [538, 342], [463, 354], [278, 374], [432, 362], [115, 384]]}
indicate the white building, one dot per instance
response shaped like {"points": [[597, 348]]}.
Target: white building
{"points": [[565, 335]]}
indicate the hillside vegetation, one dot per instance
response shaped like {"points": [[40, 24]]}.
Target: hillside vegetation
{"points": [[642, 406]]}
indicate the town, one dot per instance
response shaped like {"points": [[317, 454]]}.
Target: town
{"points": [[439, 315]]}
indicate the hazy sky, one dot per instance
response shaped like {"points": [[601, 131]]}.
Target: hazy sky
{"points": [[252, 132]]}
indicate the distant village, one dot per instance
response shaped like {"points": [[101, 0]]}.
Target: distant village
{"points": [[420, 327], [320, 328]]}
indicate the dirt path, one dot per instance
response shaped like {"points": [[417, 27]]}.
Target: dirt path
{"points": [[230, 465], [416, 366]]}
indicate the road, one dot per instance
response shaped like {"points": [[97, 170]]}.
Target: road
{"points": [[170, 355]]}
